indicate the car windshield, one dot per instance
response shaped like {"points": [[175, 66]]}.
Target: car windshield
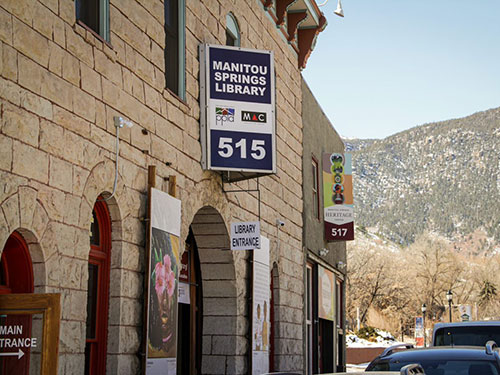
{"points": [[440, 367], [475, 336]]}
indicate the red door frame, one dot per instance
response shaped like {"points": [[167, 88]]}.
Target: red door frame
{"points": [[16, 270], [100, 256]]}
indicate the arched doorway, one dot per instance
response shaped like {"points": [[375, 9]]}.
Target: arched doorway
{"points": [[16, 276], [189, 348], [224, 347]]}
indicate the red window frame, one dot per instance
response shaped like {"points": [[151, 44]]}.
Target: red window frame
{"points": [[99, 257], [16, 276]]}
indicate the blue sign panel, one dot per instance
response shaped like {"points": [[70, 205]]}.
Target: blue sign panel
{"points": [[232, 149], [240, 75]]}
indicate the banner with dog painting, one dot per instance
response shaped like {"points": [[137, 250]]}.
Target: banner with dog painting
{"points": [[164, 265], [337, 197]]}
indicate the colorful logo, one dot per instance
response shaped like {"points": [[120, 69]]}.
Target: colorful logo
{"points": [[223, 115], [259, 117]]}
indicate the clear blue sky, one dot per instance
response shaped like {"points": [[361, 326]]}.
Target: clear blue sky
{"points": [[390, 65]]}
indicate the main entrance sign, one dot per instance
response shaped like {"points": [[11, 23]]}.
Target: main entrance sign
{"points": [[237, 101]]}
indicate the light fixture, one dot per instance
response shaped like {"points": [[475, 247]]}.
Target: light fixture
{"points": [[449, 295], [323, 252], [339, 11], [119, 122], [424, 308]]}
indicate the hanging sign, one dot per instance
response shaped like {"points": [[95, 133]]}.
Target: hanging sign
{"points": [[261, 322], [338, 197], [419, 331], [237, 101], [164, 265], [245, 235]]}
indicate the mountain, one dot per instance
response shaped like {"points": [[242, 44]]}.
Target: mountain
{"points": [[440, 177]]}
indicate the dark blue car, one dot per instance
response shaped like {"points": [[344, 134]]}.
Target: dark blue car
{"points": [[444, 360]]}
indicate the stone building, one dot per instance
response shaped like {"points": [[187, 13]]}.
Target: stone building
{"points": [[72, 73], [324, 337]]}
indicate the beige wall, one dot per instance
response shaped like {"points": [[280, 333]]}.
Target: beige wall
{"points": [[60, 87]]}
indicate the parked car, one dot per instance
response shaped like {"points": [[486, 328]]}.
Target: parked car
{"points": [[466, 333], [444, 360], [412, 369]]}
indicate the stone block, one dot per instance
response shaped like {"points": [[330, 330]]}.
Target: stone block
{"points": [[219, 307], [57, 90], [27, 204], [36, 104], [72, 336], [59, 36], [77, 45], [30, 43], [108, 68], [214, 271], [56, 54], [10, 209], [73, 363], [21, 9], [72, 273], [219, 325], [213, 365], [43, 20], [84, 105], [61, 174], [71, 69], [10, 91], [67, 11], [9, 63], [53, 202], [30, 162], [133, 85], [91, 81], [237, 365], [40, 221], [129, 339], [5, 153], [5, 27], [73, 301], [51, 138]]}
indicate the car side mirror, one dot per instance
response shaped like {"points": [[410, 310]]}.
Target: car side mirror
{"points": [[413, 369]]}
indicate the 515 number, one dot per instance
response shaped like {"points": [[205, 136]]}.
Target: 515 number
{"points": [[226, 148]]}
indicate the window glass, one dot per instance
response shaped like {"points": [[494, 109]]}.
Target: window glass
{"points": [[315, 190], [232, 31], [174, 46], [475, 336], [95, 15]]}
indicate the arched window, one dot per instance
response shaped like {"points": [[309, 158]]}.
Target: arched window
{"points": [[232, 31], [98, 290]]}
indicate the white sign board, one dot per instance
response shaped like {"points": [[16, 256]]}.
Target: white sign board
{"points": [[237, 101], [245, 235], [261, 324], [465, 312]]}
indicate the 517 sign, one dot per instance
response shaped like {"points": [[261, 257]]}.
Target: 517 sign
{"points": [[231, 149], [339, 232]]}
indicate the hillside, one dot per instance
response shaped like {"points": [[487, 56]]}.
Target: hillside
{"points": [[440, 177]]}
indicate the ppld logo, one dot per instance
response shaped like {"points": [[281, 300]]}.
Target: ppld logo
{"points": [[223, 115]]}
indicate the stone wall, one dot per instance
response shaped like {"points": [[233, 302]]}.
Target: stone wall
{"points": [[60, 87]]}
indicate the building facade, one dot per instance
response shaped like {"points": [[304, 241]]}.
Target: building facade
{"points": [[325, 261], [74, 75]]}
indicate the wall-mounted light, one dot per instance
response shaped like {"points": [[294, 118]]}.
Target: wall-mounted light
{"points": [[341, 265], [323, 252], [339, 11]]}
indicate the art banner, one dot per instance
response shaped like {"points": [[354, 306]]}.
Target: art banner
{"points": [[164, 270], [337, 197], [261, 310], [326, 296]]}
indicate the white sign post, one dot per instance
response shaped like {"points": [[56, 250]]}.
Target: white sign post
{"points": [[245, 236]]}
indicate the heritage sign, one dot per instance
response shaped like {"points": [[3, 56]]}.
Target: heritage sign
{"points": [[245, 236], [237, 103], [337, 197]]}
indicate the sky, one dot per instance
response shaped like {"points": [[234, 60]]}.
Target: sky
{"points": [[390, 65]]}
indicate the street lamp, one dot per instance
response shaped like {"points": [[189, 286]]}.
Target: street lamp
{"points": [[449, 297], [424, 309]]}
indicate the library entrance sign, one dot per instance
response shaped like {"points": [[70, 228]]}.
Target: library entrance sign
{"points": [[29, 333]]}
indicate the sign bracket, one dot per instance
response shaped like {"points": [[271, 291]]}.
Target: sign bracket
{"points": [[257, 190]]}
